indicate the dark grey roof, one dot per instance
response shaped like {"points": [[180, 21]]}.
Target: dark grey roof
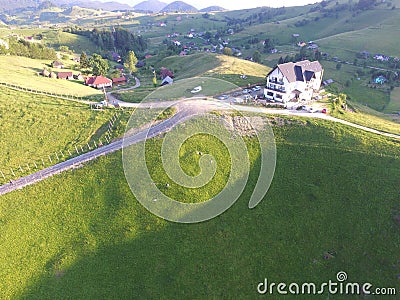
{"points": [[297, 71]]}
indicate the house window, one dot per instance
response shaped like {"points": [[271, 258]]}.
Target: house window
{"points": [[278, 96], [270, 94]]}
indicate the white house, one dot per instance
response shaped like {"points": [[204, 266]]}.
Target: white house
{"points": [[294, 81]]}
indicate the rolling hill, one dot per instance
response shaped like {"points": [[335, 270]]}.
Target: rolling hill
{"points": [[179, 6], [150, 6], [212, 8], [6, 5], [204, 64]]}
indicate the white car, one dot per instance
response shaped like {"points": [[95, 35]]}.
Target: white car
{"points": [[196, 90], [312, 110]]}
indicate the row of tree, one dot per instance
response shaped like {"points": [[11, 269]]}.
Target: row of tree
{"points": [[117, 38], [24, 48], [100, 66]]}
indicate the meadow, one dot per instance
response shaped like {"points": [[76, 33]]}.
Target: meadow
{"points": [[394, 104], [215, 73], [23, 72], [362, 115], [35, 126], [333, 205], [348, 81]]}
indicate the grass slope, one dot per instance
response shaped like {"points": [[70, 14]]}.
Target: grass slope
{"points": [[394, 104], [35, 126], [335, 189], [24, 71], [211, 64]]}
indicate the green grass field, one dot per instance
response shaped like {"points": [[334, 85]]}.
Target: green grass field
{"points": [[35, 126], [82, 234], [182, 89], [358, 90], [24, 71], [212, 64], [394, 104], [74, 42]]}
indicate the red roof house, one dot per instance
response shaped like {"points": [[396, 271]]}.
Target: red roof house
{"points": [[165, 72], [98, 82], [65, 75], [119, 80]]}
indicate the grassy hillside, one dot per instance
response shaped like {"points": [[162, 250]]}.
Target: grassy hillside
{"points": [[212, 64], [24, 71], [340, 196], [394, 104], [35, 126], [74, 42]]}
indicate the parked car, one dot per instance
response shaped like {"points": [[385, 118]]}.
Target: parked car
{"points": [[312, 110], [223, 97], [256, 88], [196, 89], [324, 111]]}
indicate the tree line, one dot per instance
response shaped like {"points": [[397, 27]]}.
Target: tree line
{"points": [[24, 48], [112, 40]]}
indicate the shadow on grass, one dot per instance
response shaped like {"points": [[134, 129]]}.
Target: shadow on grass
{"points": [[283, 239]]}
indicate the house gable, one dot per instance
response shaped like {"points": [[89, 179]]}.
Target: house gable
{"points": [[294, 81]]}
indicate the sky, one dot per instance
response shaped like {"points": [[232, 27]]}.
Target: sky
{"points": [[231, 4]]}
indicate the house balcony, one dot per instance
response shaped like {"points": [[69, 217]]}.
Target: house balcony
{"points": [[275, 81], [278, 89]]}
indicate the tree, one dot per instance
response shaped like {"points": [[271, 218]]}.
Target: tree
{"points": [[257, 56], [84, 61], [280, 61], [227, 51], [338, 66], [99, 65], [131, 61]]}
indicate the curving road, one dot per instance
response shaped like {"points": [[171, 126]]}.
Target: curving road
{"points": [[186, 110]]}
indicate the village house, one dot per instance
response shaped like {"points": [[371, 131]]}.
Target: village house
{"points": [[45, 73], [57, 64], [167, 80], [65, 75], [119, 80], [98, 82], [294, 81]]}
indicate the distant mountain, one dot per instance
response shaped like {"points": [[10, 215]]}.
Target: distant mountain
{"points": [[110, 6], [6, 5], [179, 6], [212, 8], [9, 5], [150, 6]]}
